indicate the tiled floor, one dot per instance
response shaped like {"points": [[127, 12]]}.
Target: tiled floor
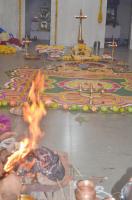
{"points": [[98, 144]]}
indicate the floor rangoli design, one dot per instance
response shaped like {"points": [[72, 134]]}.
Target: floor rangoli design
{"points": [[68, 85]]}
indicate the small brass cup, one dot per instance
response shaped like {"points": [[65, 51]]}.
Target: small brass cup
{"points": [[25, 197]]}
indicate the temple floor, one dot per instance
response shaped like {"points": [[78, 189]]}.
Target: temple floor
{"points": [[97, 144]]}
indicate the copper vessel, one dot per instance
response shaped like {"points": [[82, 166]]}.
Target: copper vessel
{"points": [[85, 190], [25, 197]]}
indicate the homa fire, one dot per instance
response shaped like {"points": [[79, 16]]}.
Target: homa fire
{"points": [[37, 166], [27, 157], [33, 111]]}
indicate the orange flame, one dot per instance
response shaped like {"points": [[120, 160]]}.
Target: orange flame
{"points": [[33, 111]]}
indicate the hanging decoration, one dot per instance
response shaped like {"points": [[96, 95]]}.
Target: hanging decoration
{"points": [[56, 23], [20, 19], [100, 15]]}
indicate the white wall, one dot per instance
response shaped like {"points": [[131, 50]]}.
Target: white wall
{"points": [[9, 18], [68, 25]]}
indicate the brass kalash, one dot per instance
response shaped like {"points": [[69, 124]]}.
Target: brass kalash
{"points": [[81, 52], [25, 197], [113, 46], [28, 55]]}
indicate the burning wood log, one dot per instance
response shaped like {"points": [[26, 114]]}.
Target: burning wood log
{"points": [[4, 153], [6, 147]]}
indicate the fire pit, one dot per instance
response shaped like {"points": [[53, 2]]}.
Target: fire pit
{"points": [[51, 182], [39, 169], [43, 170], [41, 162]]}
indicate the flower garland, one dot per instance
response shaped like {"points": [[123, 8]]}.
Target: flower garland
{"points": [[81, 108], [92, 108], [5, 49]]}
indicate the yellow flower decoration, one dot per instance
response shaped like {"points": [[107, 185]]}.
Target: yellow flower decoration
{"points": [[100, 15], [4, 49]]}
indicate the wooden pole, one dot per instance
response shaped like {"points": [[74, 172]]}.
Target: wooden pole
{"points": [[80, 17], [56, 22], [20, 19]]}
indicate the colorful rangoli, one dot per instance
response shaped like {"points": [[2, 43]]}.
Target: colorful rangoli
{"points": [[70, 86]]}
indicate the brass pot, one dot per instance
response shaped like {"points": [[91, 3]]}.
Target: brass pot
{"points": [[25, 197], [85, 190]]}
